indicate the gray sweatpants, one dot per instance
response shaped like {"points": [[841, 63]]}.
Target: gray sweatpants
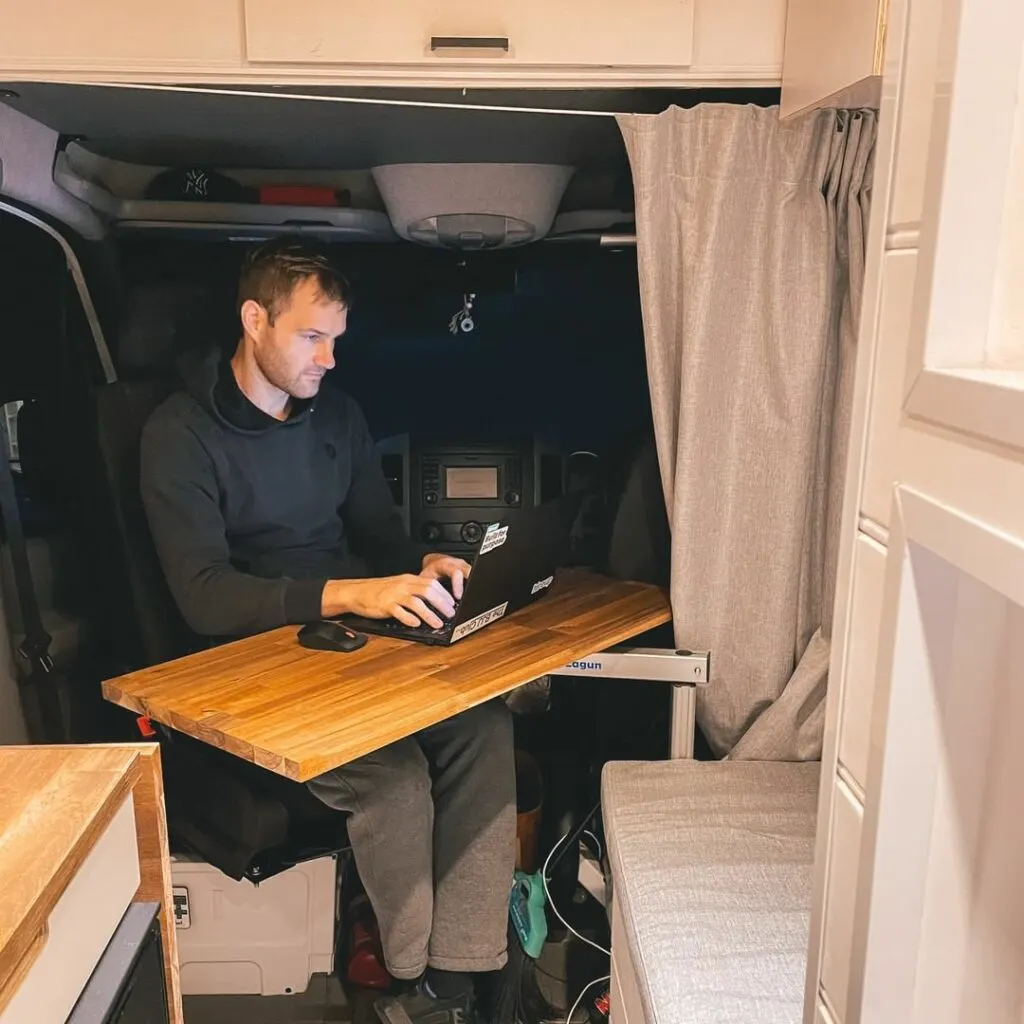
{"points": [[432, 822]]}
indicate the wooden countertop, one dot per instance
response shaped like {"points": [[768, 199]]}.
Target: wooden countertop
{"points": [[300, 712], [54, 804]]}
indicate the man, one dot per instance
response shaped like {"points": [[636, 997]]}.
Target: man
{"points": [[268, 506]]}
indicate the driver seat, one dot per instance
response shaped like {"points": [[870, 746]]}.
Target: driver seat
{"points": [[241, 818]]}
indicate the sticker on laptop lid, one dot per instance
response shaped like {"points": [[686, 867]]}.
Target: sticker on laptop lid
{"points": [[542, 585], [493, 538], [478, 622]]}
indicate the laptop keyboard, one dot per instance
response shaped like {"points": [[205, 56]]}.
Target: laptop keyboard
{"points": [[422, 627]]}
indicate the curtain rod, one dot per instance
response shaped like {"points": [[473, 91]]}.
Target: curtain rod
{"points": [[605, 239], [357, 100]]}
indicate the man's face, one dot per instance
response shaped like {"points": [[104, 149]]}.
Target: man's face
{"points": [[297, 349]]}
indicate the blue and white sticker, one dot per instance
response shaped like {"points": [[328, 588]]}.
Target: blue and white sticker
{"points": [[542, 585], [493, 538], [479, 621]]}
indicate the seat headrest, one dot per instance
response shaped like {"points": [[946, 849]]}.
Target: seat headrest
{"points": [[162, 321]]}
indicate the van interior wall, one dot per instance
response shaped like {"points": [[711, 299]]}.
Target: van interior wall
{"points": [[31, 269]]}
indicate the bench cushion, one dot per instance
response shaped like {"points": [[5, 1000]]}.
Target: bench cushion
{"points": [[711, 871]]}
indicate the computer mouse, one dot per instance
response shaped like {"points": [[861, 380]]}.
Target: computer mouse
{"points": [[330, 636]]}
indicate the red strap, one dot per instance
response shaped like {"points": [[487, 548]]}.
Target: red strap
{"points": [[145, 724]]}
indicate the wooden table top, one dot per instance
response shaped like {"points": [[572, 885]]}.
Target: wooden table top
{"points": [[301, 712], [54, 804]]}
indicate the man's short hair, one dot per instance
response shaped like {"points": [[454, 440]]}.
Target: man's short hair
{"points": [[273, 270]]}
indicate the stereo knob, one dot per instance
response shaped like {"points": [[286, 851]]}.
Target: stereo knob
{"points": [[512, 498], [431, 532], [472, 532], [430, 498]]}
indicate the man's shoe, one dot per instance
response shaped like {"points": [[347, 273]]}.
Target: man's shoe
{"points": [[417, 1006]]}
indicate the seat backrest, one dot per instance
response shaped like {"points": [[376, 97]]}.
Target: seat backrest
{"points": [[640, 546], [149, 628], [160, 323]]}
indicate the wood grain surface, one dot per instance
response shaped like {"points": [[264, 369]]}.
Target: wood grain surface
{"points": [[155, 884], [55, 803], [300, 712]]}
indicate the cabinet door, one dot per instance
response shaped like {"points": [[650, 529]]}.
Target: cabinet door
{"points": [[833, 53], [117, 35], [938, 931], [657, 33]]}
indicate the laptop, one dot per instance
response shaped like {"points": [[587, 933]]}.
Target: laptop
{"points": [[514, 564]]}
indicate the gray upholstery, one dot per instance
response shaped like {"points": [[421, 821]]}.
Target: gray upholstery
{"points": [[711, 870], [62, 591]]}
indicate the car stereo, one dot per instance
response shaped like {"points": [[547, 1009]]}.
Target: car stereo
{"points": [[448, 492], [458, 490]]}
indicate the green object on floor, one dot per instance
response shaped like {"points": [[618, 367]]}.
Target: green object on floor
{"points": [[526, 910]]}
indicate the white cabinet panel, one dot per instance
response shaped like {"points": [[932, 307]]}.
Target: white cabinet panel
{"points": [[844, 860], [110, 33], [917, 98], [938, 933], [831, 46], [739, 38], [967, 338], [822, 1015], [80, 925], [626, 1005], [944, 941], [889, 384], [564, 43], [861, 654], [658, 33]]}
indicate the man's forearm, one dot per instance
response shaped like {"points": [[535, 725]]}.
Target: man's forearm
{"points": [[221, 601]]}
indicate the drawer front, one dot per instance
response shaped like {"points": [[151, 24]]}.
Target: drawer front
{"points": [[80, 926], [659, 33]]}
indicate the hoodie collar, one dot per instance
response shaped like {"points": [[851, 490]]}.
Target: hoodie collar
{"points": [[211, 382]]}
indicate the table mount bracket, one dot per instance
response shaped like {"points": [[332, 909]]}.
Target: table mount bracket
{"points": [[685, 671]]}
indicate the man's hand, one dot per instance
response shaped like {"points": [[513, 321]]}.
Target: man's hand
{"points": [[438, 566], [410, 599]]}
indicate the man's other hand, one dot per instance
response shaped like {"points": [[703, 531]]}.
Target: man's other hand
{"points": [[440, 566], [410, 599]]}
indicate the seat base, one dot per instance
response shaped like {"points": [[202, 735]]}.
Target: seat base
{"points": [[712, 878], [235, 938]]}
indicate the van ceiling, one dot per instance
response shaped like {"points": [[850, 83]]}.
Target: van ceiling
{"points": [[175, 127]]}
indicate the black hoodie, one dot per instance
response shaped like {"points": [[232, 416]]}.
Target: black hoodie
{"points": [[252, 516]]}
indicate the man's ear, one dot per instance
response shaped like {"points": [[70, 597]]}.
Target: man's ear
{"points": [[254, 317]]}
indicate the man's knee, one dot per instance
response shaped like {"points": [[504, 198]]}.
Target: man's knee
{"points": [[487, 750], [377, 780], [488, 725]]}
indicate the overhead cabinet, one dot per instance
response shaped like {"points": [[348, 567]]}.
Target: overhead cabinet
{"points": [[833, 54], [570, 43], [822, 52], [656, 33]]}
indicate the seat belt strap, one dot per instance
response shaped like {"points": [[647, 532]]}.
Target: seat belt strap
{"points": [[35, 648]]}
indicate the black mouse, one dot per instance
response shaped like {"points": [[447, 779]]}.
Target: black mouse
{"points": [[330, 636]]}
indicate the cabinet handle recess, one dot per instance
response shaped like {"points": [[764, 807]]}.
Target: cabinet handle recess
{"points": [[469, 43]]}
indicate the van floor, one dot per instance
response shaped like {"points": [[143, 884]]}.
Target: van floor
{"points": [[326, 1001]]}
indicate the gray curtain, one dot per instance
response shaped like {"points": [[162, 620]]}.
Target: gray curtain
{"points": [[750, 243]]}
